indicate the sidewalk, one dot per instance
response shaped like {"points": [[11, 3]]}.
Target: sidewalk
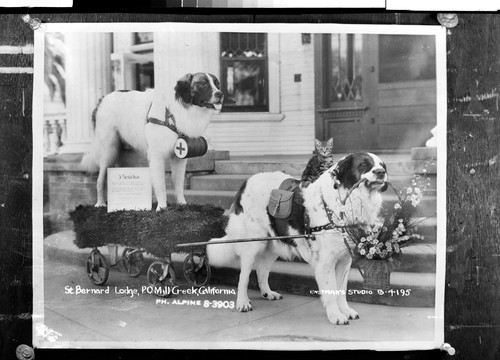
{"points": [[123, 318]]}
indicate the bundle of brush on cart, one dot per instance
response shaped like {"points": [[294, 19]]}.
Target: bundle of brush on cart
{"points": [[158, 233]]}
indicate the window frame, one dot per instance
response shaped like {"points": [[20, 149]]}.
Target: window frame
{"points": [[263, 64], [328, 85], [274, 89]]}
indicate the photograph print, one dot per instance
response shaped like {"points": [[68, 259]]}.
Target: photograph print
{"points": [[239, 186]]}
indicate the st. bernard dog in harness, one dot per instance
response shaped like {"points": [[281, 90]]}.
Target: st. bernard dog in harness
{"points": [[352, 186], [123, 117]]}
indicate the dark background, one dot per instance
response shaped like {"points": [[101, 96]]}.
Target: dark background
{"points": [[472, 301]]}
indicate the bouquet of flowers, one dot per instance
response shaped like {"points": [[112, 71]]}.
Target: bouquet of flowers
{"points": [[395, 230], [396, 227]]}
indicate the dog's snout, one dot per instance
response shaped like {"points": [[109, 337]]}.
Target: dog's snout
{"points": [[379, 173], [218, 94]]}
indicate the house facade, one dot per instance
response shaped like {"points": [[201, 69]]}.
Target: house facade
{"points": [[368, 92]]}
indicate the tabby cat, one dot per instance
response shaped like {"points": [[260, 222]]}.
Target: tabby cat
{"points": [[320, 161]]}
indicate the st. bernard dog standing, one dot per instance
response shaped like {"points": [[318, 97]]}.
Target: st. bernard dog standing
{"points": [[362, 173], [124, 117]]}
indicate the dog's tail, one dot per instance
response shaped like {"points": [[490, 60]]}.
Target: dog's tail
{"points": [[221, 255], [94, 113], [89, 161]]}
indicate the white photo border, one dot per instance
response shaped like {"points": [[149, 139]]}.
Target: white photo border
{"points": [[38, 252]]}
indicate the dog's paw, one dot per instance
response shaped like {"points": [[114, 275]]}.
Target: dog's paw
{"points": [[272, 295], [181, 200], [243, 305], [350, 313], [337, 318]]}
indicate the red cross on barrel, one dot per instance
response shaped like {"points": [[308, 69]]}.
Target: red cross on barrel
{"points": [[190, 147]]}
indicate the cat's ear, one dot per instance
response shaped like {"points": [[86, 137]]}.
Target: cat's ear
{"points": [[329, 143], [317, 143]]}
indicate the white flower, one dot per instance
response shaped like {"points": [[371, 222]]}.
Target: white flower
{"points": [[373, 250], [409, 190], [362, 252]]}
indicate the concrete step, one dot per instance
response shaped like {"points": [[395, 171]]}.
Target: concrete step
{"points": [[424, 153], [219, 198], [427, 207], [254, 166], [218, 182], [227, 182], [287, 277], [297, 166], [419, 258]]}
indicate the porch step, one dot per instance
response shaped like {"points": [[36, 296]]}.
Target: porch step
{"points": [[297, 167], [419, 258], [427, 207], [218, 182], [256, 166], [227, 182]]}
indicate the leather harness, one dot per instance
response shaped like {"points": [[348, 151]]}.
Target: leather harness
{"points": [[168, 122], [292, 185]]}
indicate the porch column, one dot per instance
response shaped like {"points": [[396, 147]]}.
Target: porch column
{"points": [[88, 78]]}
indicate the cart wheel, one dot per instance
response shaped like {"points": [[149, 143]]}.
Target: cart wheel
{"points": [[132, 261], [196, 269], [162, 276], [97, 268]]}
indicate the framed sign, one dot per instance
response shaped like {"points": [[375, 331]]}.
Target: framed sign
{"points": [[376, 90], [129, 189]]}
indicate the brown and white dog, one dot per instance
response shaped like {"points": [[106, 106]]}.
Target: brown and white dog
{"points": [[327, 254], [122, 117]]}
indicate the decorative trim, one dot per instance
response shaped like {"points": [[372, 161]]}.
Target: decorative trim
{"points": [[343, 113], [248, 117]]}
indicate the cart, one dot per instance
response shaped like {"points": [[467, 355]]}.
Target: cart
{"points": [[160, 274]]}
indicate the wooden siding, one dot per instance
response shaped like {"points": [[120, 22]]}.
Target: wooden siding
{"points": [[406, 114], [294, 134]]}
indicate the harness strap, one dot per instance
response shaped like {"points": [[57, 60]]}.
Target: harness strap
{"points": [[169, 121]]}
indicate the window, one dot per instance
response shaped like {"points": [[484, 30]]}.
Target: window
{"points": [[346, 64], [145, 78], [244, 71], [406, 58], [143, 38]]}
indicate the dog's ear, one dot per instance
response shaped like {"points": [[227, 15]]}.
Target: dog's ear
{"points": [[183, 88], [344, 173]]}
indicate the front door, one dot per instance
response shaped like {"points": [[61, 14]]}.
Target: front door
{"points": [[375, 92], [344, 72]]}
